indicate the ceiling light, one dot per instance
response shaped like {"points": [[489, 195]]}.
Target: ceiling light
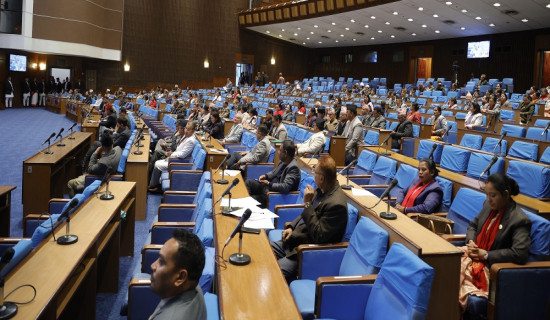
{"points": [[347, 29], [420, 9], [410, 19], [435, 15], [462, 28], [424, 26], [496, 4], [372, 17], [280, 36], [448, 3], [387, 23], [392, 36], [372, 38], [352, 21], [283, 30], [478, 18], [320, 41], [307, 38], [464, 10], [492, 25], [267, 31], [524, 20], [395, 13], [335, 40], [333, 24], [341, 35], [354, 39], [366, 26], [295, 34], [379, 31], [315, 26], [413, 34], [312, 32], [303, 43], [329, 31], [437, 31], [548, 6], [299, 28]]}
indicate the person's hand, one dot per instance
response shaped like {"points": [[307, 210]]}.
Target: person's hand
{"points": [[242, 153], [392, 134], [399, 208], [98, 151], [264, 182], [433, 133], [262, 177], [286, 234], [308, 193]]}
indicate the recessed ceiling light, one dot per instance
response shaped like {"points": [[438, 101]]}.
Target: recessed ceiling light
{"points": [[462, 28], [267, 31], [295, 34], [335, 40], [320, 41], [341, 35], [283, 30], [354, 39], [315, 26], [496, 4], [410, 19], [491, 25], [303, 43], [478, 18], [547, 6], [448, 3], [312, 32], [329, 31], [392, 36], [280, 36], [420, 9], [307, 38], [372, 17], [387, 23], [372, 38], [437, 31], [379, 31], [435, 15], [424, 26], [464, 10], [395, 13], [366, 26], [347, 29], [299, 28], [352, 21], [413, 34], [524, 20]]}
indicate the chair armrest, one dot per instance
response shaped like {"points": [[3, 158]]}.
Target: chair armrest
{"points": [[315, 261], [184, 194], [173, 224], [179, 165], [276, 198], [288, 206], [453, 237], [172, 212], [363, 176], [11, 240], [59, 200], [414, 215]]}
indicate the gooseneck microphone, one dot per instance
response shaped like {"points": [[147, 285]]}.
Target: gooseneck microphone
{"points": [[49, 138], [244, 217], [493, 161], [68, 238], [106, 178], [223, 180], [431, 155], [239, 259], [71, 129], [60, 136], [228, 190], [502, 136], [388, 214], [347, 186]]}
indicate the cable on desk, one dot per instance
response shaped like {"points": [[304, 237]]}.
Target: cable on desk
{"points": [[219, 260], [51, 223], [22, 286]]}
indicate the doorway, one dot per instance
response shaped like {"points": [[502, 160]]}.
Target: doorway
{"points": [[423, 68], [243, 74]]}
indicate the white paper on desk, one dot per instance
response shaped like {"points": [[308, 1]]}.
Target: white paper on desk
{"points": [[257, 213], [260, 224], [361, 192], [240, 202], [219, 150], [231, 173]]}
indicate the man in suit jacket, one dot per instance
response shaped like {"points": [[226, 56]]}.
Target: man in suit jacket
{"points": [[258, 154], [175, 278], [322, 221], [403, 129], [284, 179], [42, 89], [315, 142], [236, 131], [26, 88], [184, 149], [353, 133], [279, 131], [378, 120], [8, 93]]}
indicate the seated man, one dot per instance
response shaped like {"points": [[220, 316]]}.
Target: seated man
{"points": [[175, 278], [183, 150], [315, 142], [103, 157], [166, 145], [378, 120], [120, 135], [284, 179], [279, 131], [258, 154], [403, 129], [322, 221], [109, 122], [236, 131]]}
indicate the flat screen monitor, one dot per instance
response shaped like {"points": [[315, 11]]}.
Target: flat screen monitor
{"points": [[18, 63], [478, 49], [370, 57]]}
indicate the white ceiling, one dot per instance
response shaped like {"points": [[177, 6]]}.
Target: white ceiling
{"points": [[379, 23]]}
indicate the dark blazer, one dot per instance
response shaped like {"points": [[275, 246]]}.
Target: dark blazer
{"points": [[513, 240], [8, 87], [404, 129], [428, 201], [290, 178], [110, 122], [26, 87], [120, 139], [324, 223], [216, 130]]}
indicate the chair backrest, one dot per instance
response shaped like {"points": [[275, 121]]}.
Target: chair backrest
{"points": [[533, 179], [455, 159], [513, 130], [404, 175], [473, 141], [540, 237], [524, 150], [465, 207], [545, 157], [490, 143], [198, 162], [402, 288], [383, 171], [479, 161], [366, 251], [425, 147], [535, 133], [21, 250], [365, 163], [447, 187], [372, 137], [541, 122]]}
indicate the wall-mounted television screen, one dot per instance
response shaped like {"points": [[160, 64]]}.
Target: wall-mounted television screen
{"points": [[478, 49], [371, 57], [18, 63]]}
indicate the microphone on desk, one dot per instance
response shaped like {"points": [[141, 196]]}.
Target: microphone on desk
{"points": [[71, 129], [7, 309], [48, 140], [388, 214], [107, 195], [59, 136], [545, 129], [228, 190], [493, 161], [313, 156], [222, 180], [348, 166], [138, 142], [444, 133], [502, 136], [239, 259], [431, 155], [347, 186], [68, 238]]}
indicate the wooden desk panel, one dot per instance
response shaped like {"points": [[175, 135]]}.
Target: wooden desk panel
{"points": [[5, 210], [137, 171], [213, 159], [337, 150], [92, 125], [259, 289], [66, 278], [438, 253], [45, 175]]}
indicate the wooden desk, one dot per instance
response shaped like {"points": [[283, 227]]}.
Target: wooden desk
{"points": [[92, 125], [259, 289], [137, 171], [67, 278], [55, 104], [432, 249], [45, 175], [73, 109], [382, 134], [541, 208], [5, 210], [337, 150], [213, 159]]}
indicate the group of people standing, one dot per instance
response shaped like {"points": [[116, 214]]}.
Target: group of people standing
{"points": [[33, 93]]}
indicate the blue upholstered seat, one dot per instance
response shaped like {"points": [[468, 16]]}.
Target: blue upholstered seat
{"points": [[472, 141], [533, 179], [524, 150], [479, 161], [455, 159]]}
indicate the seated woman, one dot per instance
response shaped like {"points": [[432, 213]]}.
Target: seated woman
{"points": [[526, 109], [216, 129], [414, 115], [474, 117], [499, 233], [439, 124], [424, 194]]}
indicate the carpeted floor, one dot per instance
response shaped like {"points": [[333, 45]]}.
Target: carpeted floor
{"points": [[22, 131]]}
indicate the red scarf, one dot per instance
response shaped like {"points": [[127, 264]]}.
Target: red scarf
{"points": [[413, 193], [485, 241]]}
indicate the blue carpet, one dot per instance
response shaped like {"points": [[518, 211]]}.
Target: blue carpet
{"points": [[22, 132]]}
